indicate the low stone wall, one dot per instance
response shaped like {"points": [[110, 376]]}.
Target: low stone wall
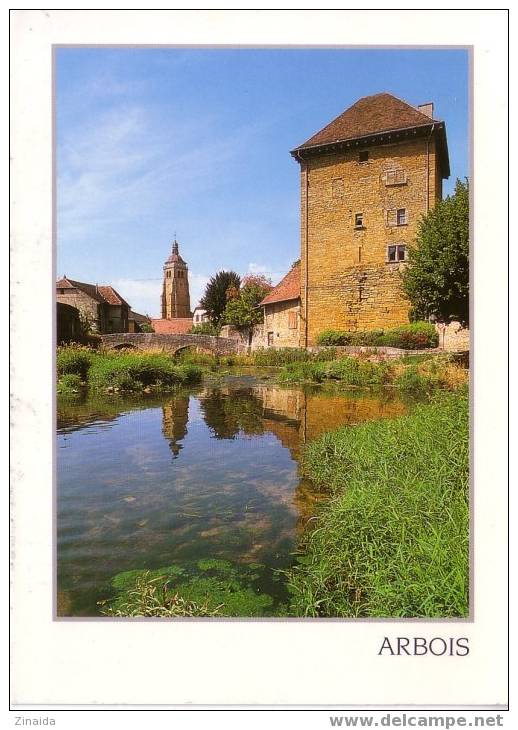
{"points": [[172, 343], [453, 337], [382, 353]]}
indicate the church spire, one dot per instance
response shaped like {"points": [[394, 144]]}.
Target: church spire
{"points": [[175, 245]]}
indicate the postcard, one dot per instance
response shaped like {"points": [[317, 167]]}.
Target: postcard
{"points": [[260, 420]]}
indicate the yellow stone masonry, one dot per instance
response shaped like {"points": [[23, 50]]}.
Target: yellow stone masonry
{"points": [[350, 220]]}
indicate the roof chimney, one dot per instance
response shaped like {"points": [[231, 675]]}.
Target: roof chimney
{"points": [[426, 109]]}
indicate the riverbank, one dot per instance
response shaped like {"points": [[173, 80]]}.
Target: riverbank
{"points": [[114, 372], [392, 539]]}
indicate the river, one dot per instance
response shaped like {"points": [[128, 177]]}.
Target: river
{"points": [[209, 473]]}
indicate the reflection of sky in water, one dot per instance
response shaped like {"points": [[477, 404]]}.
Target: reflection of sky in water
{"points": [[205, 475]]}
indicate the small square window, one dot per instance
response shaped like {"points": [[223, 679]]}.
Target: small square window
{"points": [[358, 220], [396, 253], [363, 156], [401, 217]]}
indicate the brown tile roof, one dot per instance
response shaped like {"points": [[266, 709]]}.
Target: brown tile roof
{"points": [[111, 296], [369, 115], [179, 326], [288, 288], [90, 289], [103, 294], [142, 318]]}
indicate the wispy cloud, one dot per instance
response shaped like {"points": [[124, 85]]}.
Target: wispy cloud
{"points": [[127, 165]]}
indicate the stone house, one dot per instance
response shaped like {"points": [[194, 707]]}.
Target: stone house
{"points": [[102, 306], [68, 325], [281, 309], [366, 179], [137, 322]]}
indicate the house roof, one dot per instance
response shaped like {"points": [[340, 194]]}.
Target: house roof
{"points": [[111, 296], [91, 289], [143, 318], [179, 326], [288, 288], [102, 294], [373, 115]]}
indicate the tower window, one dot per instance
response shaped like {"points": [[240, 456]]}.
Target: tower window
{"points": [[395, 177], [358, 220], [396, 253], [401, 217], [363, 156]]}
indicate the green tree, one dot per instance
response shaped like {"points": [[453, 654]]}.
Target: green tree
{"points": [[215, 298], [242, 308], [436, 278]]}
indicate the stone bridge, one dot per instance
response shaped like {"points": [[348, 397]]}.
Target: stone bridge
{"points": [[172, 343]]}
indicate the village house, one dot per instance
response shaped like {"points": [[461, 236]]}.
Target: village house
{"points": [[366, 179], [281, 308], [101, 306], [199, 316]]}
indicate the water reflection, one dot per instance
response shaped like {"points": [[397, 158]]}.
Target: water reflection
{"points": [[231, 489]]}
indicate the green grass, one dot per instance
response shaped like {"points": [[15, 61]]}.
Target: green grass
{"points": [[392, 539]]}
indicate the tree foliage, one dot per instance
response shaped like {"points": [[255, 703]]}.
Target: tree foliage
{"points": [[242, 306], [436, 279], [214, 299]]}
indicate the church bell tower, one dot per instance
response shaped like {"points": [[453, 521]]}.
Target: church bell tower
{"points": [[176, 302]]}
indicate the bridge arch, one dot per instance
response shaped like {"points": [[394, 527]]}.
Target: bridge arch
{"points": [[172, 343]]}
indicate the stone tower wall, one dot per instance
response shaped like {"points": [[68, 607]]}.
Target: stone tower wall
{"points": [[351, 284]]}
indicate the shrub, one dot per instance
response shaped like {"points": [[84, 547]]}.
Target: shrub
{"points": [[414, 336], [334, 337], [74, 360], [205, 328]]}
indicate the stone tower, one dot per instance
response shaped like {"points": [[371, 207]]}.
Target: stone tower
{"points": [[366, 180], [175, 291]]}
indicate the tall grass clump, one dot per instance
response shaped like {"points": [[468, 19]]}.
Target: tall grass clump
{"points": [[130, 372], [74, 360], [392, 539]]}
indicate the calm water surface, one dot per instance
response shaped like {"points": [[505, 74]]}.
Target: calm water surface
{"points": [[210, 472]]}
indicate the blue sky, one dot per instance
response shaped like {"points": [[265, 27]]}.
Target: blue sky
{"points": [[196, 141]]}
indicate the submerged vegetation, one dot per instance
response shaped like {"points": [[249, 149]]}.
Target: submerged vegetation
{"points": [[210, 587], [392, 539]]}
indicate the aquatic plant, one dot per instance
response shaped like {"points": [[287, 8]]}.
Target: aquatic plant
{"points": [[211, 587]]}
